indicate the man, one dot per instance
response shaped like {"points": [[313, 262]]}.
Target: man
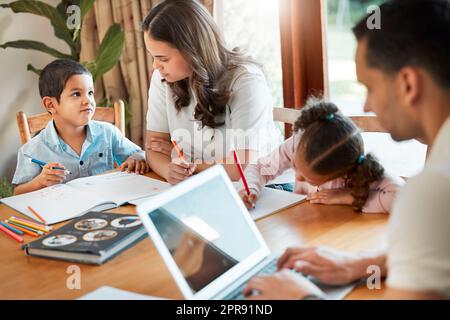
{"points": [[405, 66]]}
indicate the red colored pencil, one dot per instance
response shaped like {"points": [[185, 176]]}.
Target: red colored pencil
{"points": [[241, 171], [179, 151]]}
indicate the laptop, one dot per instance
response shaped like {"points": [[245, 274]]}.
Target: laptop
{"points": [[207, 238]]}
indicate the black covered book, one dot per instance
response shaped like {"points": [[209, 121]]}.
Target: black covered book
{"points": [[93, 238]]}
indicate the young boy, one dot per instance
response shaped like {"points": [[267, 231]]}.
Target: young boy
{"points": [[82, 146]]}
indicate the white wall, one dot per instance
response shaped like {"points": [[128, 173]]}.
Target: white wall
{"points": [[19, 87]]}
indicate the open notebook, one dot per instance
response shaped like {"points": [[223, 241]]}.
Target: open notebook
{"points": [[271, 201], [97, 193]]}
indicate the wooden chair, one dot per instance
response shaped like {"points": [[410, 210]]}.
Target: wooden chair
{"points": [[366, 123], [28, 126]]}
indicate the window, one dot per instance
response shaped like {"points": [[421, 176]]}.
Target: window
{"points": [[253, 26], [404, 158]]}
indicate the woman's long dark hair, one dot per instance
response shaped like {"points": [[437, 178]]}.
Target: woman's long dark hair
{"points": [[333, 146], [188, 26]]}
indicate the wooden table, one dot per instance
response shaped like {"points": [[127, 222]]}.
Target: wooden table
{"points": [[140, 269]]}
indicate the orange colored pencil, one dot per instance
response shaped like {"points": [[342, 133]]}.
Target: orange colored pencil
{"points": [[11, 234], [28, 232], [37, 215]]}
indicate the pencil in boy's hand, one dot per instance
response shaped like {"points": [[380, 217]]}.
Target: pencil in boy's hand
{"points": [[42, 164], [179, 151], [241, 171]]}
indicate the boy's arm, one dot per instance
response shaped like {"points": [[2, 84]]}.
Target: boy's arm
{"points": [[25, 175], [32, 185], [49, 176], [123, 148]]}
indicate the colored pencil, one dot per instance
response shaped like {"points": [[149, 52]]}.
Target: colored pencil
{"points": [[11, 234], [241, 171], [11, 228], [29, 225], [26, 230], [34, 223], [179, 151], [43, 164], [37, 215]]}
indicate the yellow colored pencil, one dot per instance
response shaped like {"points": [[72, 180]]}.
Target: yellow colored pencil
{"points": [[33, 222], [29, 225]]}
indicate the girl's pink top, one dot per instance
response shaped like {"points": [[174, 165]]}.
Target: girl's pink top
{"points": [[381, 196]]}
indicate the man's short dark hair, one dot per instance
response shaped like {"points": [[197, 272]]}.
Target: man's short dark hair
{"points": [[54, 76], [413, 33]]}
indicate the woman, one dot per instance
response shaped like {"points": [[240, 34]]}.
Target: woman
{"points": [[207, 98]]}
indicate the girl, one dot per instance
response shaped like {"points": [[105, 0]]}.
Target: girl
{"points": [[327, 154], [202, 95]]}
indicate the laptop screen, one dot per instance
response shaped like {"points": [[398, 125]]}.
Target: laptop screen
{"points": [[205, 232]]}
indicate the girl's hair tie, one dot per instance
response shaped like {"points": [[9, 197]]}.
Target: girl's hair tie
{"points": [[329, 116], [361, 159]]}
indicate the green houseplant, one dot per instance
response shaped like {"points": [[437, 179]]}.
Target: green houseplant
{"points": [[6, 189], [110, 48]]}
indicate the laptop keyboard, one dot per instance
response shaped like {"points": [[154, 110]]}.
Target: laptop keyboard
{"points": [[268, 269]]}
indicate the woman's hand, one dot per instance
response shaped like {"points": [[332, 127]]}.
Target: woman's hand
{"points": [[249, 200], [160, 145], [284, 285], [136, 163], [334, 196], [329, 266], [49, 176], [179, 170]]}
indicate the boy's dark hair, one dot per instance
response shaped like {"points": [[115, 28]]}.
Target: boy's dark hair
{"points": [[413, 32], [54, 76], [332, 145]]}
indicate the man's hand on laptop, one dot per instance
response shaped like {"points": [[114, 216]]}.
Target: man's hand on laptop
{"points": [[327, 265], [283, 285]]}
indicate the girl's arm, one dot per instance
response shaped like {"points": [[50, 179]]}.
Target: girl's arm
{"points": [[271, 166]]}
